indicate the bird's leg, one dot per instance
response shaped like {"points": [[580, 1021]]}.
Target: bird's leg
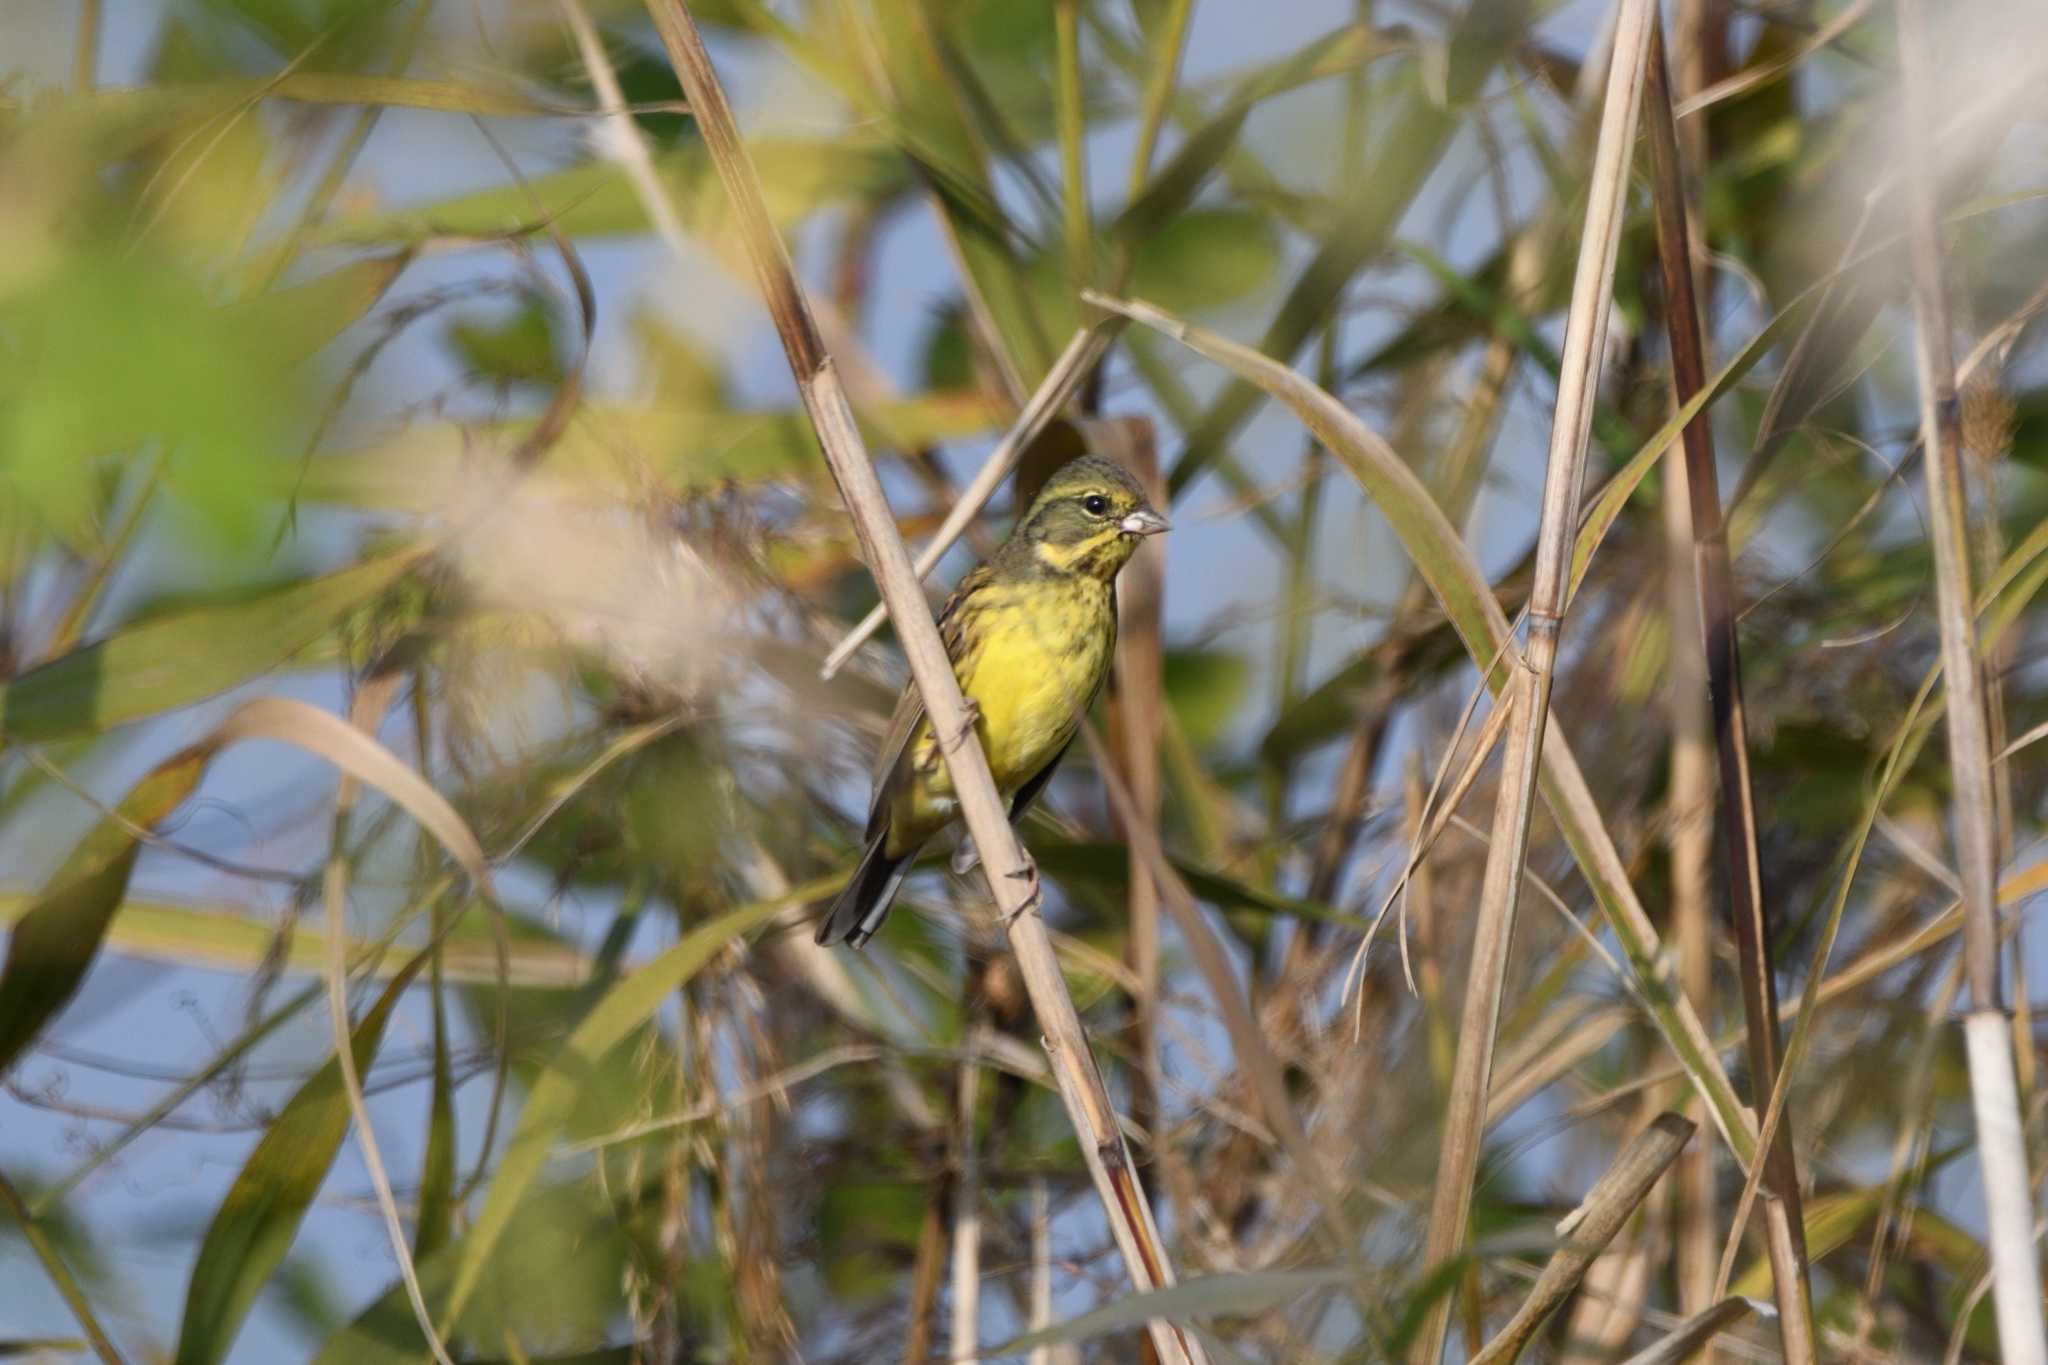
{"points": [[1034, 895]]}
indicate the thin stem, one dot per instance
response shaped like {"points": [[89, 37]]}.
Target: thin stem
{"points": [[1041, 1268], [1139, 723], [1073, 133], [1693, 1333], [924, 1276], [59, 1273], [1160, 82]]}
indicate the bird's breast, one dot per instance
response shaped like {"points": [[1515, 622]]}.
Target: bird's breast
{"points": [[1036, 661]]}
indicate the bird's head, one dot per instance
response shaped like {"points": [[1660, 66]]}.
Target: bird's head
{"points": [[1088, 519]]}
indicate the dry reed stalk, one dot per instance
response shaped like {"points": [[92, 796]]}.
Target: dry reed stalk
{"points": [[1012, 879], [1612, 1302], [2001, 1139], [1694, 1333], [1421, 894], [1139, 721], [1714, 584], [1585, 343], [1586, 1231], [1692, 776], [1690, 839]]}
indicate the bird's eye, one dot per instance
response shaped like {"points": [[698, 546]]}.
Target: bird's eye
{"points": [[1095, 505]]}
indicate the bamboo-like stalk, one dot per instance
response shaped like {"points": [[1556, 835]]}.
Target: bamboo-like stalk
{"points": [[1689, 809], [1012, 879], [1587, 1230], [1714, 584], [1585, 343], [2001, 1141]]}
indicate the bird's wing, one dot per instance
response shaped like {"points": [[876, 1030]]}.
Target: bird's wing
{"points": [[891, 767]]}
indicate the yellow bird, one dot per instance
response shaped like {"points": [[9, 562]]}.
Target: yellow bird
{"points": [[1030, 634]]}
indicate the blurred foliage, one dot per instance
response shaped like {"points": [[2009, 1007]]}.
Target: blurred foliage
{"points": [[294, 396]]}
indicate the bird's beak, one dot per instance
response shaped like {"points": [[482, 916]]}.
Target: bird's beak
{"points": [[1144, 522]]}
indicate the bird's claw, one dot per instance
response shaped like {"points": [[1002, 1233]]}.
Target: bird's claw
{"points": [[970, 719], [1034, 894]]}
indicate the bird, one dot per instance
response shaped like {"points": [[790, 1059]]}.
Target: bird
{"points": [[1030, 634]]}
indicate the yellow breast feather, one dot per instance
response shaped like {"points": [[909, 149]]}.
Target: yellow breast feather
{"points": [[1041, 661], [1039, 655]]}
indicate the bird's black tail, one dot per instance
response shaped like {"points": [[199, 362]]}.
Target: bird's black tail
{"points": [[864, 904]]}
